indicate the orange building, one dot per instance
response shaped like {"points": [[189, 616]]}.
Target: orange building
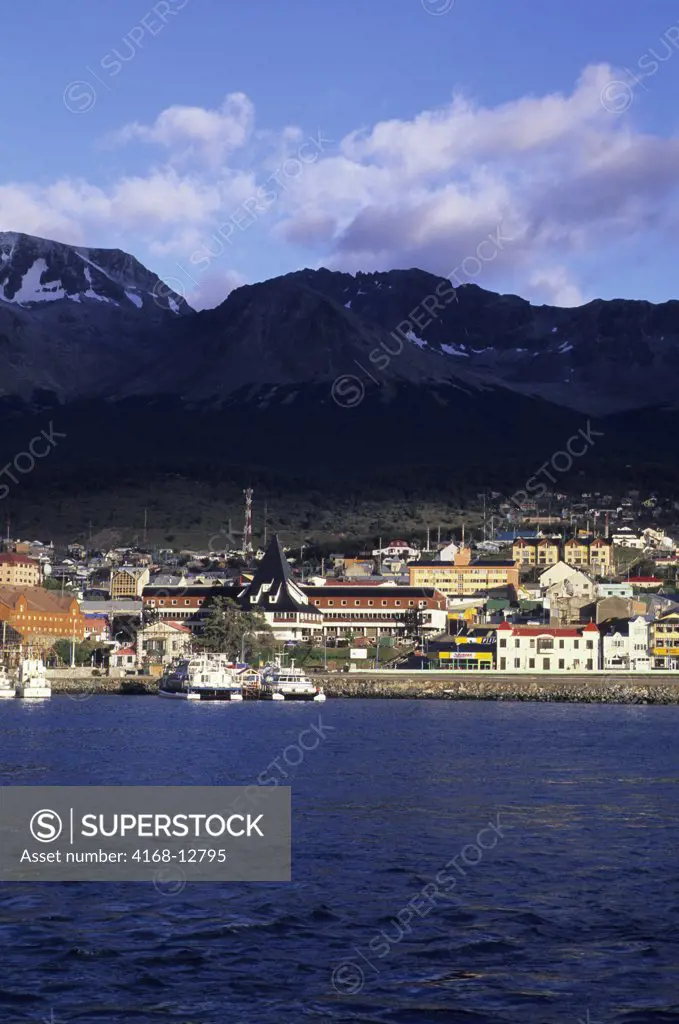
{"points": [[31, 615]]}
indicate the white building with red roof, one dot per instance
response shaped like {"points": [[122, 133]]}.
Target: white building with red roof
{"points": [[548, 648], [397, 549]]}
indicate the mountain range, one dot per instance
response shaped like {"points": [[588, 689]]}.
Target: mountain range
{"points": [[319, 368]]}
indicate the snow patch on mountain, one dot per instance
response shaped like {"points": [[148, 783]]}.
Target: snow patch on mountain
{"points": [[420, 342]]}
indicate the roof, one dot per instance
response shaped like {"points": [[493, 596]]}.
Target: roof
{"points": [[548, 630], [124, 651], [359, 590], [37, 599], [10, 558], [272, 588], [480, 563], [226, 590]]}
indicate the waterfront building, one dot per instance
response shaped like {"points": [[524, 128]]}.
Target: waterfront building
{"points": [[625, 644], [664, 640], [162, 641], [548, 648], [372, 611], [37, 617], [471, 650], [284, 604]]}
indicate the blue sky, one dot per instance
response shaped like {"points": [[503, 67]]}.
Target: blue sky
{"points": [[187, 132]]}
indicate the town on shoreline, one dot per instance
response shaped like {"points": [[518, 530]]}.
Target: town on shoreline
{"points": [[588, 592]]}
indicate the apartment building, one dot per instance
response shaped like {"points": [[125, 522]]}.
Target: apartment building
{"points": [[548, 648], [463, 577], [19, 570], [528, 553], [593, 555]]}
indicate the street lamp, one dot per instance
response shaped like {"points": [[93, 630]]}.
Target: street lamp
{"points": [[248, 632]]}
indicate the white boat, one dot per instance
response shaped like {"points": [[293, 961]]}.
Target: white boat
{"points": [[201, 677], [289, 684], [6, 684], [33, 682]]}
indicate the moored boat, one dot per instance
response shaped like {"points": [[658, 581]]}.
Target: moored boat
{"points": [[289, 684], [6, 685], [203, 677], [33, 683]]}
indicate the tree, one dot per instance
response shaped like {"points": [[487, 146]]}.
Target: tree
{"points": [[413, 621], [228, 630], [83, 651]]}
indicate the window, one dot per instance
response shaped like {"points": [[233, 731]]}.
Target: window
{"points": [[576, 644], [503, 643], [532, 643], [589, 645], [562, 644], [343, 603], [546, 663], [562, 663], [590, 664], [531, 663], [517, 643], [503, 663], [370, 604], [517, 662]]}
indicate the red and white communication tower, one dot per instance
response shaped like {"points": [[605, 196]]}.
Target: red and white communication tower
{"points": [[247, 529]]}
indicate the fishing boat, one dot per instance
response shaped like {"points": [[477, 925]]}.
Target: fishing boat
{"points": [[33, 683], [208, 677], [6, 684], [288, 684]]}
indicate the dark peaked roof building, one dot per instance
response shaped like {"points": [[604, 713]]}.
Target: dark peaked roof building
{"points": [[274, 592]]}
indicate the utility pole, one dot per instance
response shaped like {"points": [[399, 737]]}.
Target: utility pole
{"points": [[266, 513], [145, 524], [428, 547]]}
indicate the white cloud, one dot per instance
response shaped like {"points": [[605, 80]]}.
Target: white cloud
{"points": [[558, 174], [194, 131]]}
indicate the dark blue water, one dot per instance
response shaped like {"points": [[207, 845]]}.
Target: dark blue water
{"points": [[572, 913]]}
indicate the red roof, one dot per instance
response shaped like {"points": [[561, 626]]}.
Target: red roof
{"points": [[550, 630], [180, 626], [125, 651], [10, 558], [645, 579]]}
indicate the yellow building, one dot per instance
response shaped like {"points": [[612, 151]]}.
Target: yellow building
{"points": [[664, 641], [462, 577], [594, 555], [19, 571], [471, 651], [544, 552]]}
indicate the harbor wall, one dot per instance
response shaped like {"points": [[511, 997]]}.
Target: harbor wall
{"points": [[639, 688]]}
